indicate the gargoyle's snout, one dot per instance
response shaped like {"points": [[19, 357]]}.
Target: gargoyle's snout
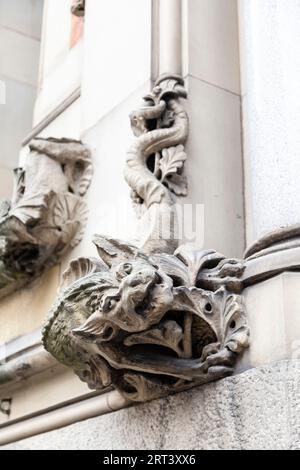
{"points": [[142, 278]]}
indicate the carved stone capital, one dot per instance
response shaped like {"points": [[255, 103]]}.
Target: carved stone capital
{"points": [[47, 214], [148, 325]]}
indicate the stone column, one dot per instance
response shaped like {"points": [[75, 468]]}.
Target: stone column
{"points": [[270, 70], [214, 167], [170, 40]]}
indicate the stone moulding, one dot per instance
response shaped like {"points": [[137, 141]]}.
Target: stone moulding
{"points": [[284, 238], [151, 318], [47, 214]]}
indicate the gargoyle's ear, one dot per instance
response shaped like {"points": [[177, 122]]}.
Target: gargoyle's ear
{"points": [[78, 269], [114, 252]]}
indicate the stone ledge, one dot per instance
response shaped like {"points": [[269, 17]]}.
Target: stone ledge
{"points": [[258, 409]]}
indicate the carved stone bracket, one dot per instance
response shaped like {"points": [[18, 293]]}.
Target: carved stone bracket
{"points": [[47, 213], [151, 319], [148, 325]]}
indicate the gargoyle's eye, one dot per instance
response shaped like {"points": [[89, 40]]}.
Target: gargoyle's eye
{"points": [[111, 304], [108, 304], [127, 268], [123, 271]]}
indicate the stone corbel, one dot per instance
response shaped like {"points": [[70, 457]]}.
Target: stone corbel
{"points": [[47, 214], [151, 318]]}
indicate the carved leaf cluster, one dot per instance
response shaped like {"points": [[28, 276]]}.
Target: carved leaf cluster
{"points": [[171, 166]]}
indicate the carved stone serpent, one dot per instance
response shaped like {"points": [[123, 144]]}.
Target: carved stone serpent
{"points": [[162, 124]]}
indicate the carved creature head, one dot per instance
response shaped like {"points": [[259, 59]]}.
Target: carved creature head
{"points": [[144, 324], [138, 297]]}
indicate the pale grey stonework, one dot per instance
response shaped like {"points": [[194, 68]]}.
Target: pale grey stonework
{"points": [[270, 72], [259, 409]]}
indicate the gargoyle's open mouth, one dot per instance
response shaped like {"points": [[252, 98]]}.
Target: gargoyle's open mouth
{"points": [[201, 335], [196, 333]]}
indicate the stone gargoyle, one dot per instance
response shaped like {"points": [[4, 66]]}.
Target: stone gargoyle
{"points": [[47, 214], [148, 325], [150, 318]]}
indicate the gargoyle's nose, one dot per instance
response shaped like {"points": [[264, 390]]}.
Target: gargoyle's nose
{"points": [[142, 277]]}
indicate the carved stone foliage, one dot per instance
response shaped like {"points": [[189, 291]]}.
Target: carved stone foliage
{"points": [[156, 157], [47, 214], [148, 325]]}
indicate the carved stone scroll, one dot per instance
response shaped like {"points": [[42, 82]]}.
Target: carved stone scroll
{"points": [[150, 318], [47, 214]]}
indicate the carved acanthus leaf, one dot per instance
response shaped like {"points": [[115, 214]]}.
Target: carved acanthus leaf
{"points": [[177, 184], [96, 373], [70, 215], [169, 334], [30, 208], [172, 161]]}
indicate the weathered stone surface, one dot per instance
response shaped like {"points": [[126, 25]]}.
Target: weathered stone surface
{"points": [[47, 214], [146, 319], [155, 163], [148, 326], [259, 409]]}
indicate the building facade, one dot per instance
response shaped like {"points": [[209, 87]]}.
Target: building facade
{"points": [[238, 63]]}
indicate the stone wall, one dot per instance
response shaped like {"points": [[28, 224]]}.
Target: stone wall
{"points": [[258, 409], [20, 32]]}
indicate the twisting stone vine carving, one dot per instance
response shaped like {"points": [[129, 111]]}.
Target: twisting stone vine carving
{"points": [[154, 167], [47, 213], [148, 325], [151, 319]]}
